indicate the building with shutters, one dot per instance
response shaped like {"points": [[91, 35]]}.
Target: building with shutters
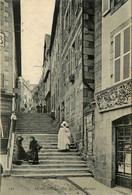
{"points": [[10, 65], [113, 92]]}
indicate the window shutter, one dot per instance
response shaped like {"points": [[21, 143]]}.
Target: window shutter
{"points": [[117, 57], [117, 70], [105, 6], [126, 40], [117, 45], [126, 66], [126, 60]]}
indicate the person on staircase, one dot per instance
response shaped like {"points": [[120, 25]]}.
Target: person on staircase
{"points": [[20, 153], [14, 120], [34, 147], [64, 136]]}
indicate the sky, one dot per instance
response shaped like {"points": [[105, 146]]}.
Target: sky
{"points": [[36, 20]]}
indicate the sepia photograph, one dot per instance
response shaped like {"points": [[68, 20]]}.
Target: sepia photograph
{"points": [[65, 97]]}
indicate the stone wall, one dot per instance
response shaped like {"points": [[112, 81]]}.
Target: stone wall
{"points": [[7, 50], [75, 66], [72, 91], [56, 67]]}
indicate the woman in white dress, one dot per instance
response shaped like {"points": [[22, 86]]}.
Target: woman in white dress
{"points": [[64, 137]]}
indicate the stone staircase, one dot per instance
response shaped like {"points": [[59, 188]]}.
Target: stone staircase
{"points": [[28, 123], [52, 163]]}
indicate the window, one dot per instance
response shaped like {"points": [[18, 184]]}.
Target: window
{"points": [[105, 6], [122, 59], [124, 150]]}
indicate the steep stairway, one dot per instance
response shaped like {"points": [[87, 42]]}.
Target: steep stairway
{"points": [[52, 163], [35, 123]]}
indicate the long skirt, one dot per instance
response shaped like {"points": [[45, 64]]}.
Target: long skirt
{"points": [[33, 155], [63, 139], [20, 154]]}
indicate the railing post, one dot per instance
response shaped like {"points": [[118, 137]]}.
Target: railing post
{"points": [[10, 147]]}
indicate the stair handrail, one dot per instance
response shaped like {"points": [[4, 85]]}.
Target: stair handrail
{"points": [[10, 147]]}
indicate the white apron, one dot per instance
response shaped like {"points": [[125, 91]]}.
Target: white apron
{"points": [[63, 138]]}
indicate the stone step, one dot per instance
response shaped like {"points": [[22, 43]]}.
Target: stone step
{"points": [[57, 154], [33, 132], [51, 175], [46, 144], [40, 135], [37, 121], [39, 116], [51, 166], [38, 130], [56, 150], [44, 154], [49, 171], [42, 142], [44, 148], [59, 157], [63, 161], [37, 125], [48, 147]]}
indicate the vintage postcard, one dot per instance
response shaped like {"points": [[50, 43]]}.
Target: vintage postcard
{"points": [[65, 97]]}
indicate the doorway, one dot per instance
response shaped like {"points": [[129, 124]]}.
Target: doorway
{"points": [[123, 151]]}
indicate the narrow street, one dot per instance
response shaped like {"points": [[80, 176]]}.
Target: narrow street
{"points": [[58, 186], [24, 186]]}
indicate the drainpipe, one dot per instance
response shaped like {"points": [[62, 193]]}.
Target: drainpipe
{"points": [[83, 79]]}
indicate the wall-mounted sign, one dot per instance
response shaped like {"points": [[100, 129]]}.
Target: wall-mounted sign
{"points": [[2, 39]]}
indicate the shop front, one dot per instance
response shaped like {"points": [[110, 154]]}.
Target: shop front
{"points": [[123, 128], [113, 132]]}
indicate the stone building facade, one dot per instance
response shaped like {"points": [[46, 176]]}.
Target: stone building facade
{"points": [[91, 82], [25, 95], [10, 64], [46, 74], [113, 92], [72, 63]]}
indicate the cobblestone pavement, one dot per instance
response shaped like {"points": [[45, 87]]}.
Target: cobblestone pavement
{"points": [[25, 186]]}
